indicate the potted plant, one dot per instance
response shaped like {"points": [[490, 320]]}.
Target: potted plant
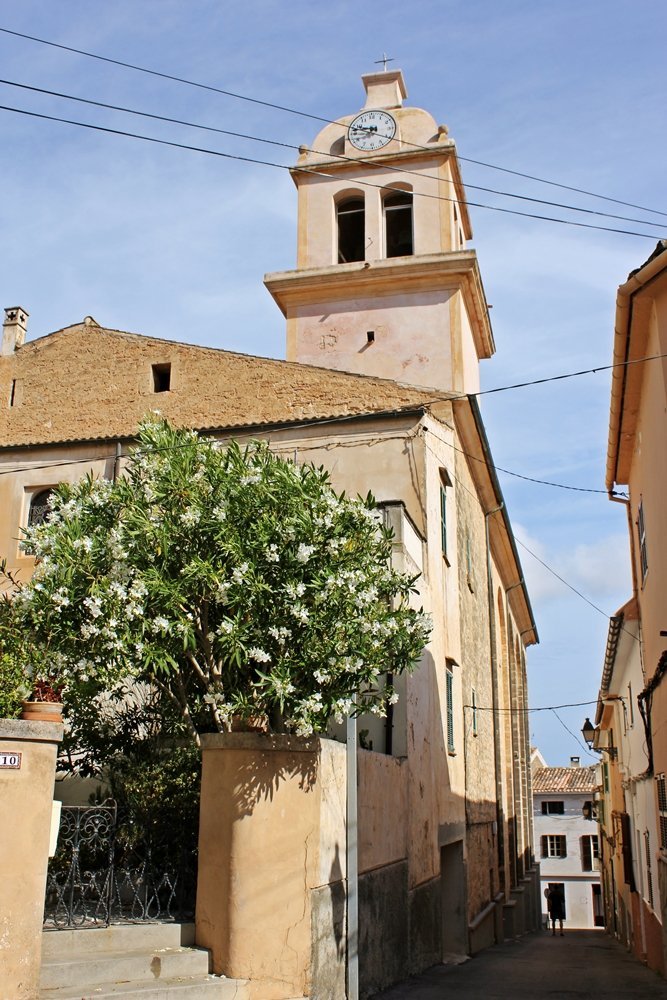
{"points": [[45, 702]]}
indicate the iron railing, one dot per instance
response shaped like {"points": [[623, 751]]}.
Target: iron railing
{"points": [[105, 872]]}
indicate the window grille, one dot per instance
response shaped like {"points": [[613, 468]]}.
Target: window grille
{"points": [[40, 506]]}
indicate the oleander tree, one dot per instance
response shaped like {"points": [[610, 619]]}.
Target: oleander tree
{"points": [[225, 581]]}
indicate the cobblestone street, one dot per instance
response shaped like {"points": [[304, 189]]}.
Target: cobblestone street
{"points": [[585, 964]]}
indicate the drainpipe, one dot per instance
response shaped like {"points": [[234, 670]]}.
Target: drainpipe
{"points": [[497, 757], [626, 503], [116, 461], [352, 861]]}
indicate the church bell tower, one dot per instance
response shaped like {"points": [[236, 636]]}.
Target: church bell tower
{"points": [[384, 284]]}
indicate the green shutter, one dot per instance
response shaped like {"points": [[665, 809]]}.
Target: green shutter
{"points": [[450, 711], [443, 518]]}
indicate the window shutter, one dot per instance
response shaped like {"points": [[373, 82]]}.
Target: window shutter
{"points": [[586, 855], [443, 518], [649, 873], [545, 847], [628, 874], [450, 711]]}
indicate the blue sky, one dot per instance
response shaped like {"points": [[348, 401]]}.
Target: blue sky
{"points": [[175, 244]]}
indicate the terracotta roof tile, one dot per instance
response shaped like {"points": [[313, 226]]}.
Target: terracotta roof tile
{"points": [[564, 779], [86, 383]]}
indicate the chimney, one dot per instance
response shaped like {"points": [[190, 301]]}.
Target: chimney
{"points": [[574, 762], [14, 329]]}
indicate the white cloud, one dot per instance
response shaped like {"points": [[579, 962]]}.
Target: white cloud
{"points": [[598, 569]]}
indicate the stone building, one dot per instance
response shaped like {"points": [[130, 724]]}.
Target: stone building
{"points": [[632, 704], [386, 325], [566, 837]]}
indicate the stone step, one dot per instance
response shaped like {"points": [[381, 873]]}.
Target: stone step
{"points": [[124, 966], [195, 988], [57, 944]]}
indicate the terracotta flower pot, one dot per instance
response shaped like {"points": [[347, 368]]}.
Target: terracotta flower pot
{"points": [[42, 711], [250, 724]]}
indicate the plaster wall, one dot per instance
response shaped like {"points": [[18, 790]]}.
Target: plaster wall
{"points": [[632, 791], [427, 177], [412, 336], [383, 810], [272, 829], [375, 456], [39, 469], [26, 793], [569, 870], [648, 483], [476, 728], [467, 369]]}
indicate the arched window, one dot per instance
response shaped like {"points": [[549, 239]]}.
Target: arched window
{"points": [[40, 505], [351, 230], [398, 236]]}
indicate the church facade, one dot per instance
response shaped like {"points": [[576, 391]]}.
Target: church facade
{"points": [[386, 325]]}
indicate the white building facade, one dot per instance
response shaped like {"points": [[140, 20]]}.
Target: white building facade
{"points": [[566, 839]]}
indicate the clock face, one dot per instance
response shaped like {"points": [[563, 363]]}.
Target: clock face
{"points": [[372, 130]]}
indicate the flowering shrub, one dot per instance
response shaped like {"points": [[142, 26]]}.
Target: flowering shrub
{"points": [[231, 580], [13, 688]]}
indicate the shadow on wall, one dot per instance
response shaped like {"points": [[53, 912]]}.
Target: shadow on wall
{"points": [[276, 760]]}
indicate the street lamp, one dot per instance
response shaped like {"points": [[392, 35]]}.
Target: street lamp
{"points": [[588, 732]]}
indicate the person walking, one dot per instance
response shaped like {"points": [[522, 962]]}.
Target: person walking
{"points": [[556, 908]]}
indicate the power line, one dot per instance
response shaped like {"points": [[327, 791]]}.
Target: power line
{"points": [[565, 187], [531, 479], [110, 457], [294, 111], [558, 378], [573, 735], [163, 76], [569, 585], [444, 397], [315, 172], [542, 708], [336, 156]]}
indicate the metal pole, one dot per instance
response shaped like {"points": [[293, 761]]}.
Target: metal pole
{"points": [[352, 865]]}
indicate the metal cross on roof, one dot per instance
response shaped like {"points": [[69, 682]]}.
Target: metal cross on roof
{"points": [[385, 59]]}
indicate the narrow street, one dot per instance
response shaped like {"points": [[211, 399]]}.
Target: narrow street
{"points": [[586, 964]]}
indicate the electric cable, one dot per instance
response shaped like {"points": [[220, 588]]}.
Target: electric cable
{"points": [[524, 546], [435, 399], [541, 708], [570, 586], [336, 156], [294, 111], [574, 736], [315, 172]]}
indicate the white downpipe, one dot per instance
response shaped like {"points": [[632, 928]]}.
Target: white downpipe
{"points": [[352, 865]]}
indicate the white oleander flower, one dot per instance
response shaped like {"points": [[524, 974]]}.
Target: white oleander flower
{"points": [[304, 552], [259, 655]]}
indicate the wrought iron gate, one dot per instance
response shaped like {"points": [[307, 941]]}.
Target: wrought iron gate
{"points": [[100, 875]]}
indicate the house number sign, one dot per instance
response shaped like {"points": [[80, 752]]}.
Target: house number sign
{"points": [[10, 760]]}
